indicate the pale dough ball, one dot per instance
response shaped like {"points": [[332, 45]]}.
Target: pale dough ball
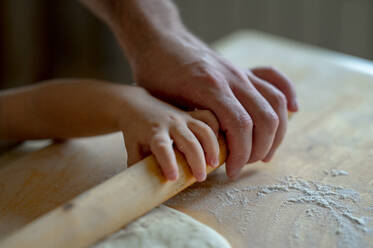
{"points": [[165, 227]]}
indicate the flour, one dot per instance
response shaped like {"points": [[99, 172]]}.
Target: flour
{"points": [[335, 172], [336, 207], [340, 203]]}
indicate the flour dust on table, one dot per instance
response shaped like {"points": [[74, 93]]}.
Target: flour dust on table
{"points": [[335, 172], [339, 211], [165, 227]]}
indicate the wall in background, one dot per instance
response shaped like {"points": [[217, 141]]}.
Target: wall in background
{"points": [[341, 25], [43, 39]]}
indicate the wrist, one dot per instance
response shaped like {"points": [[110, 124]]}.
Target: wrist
{"points": [[172, 51], [142, 25], [127, 105]]}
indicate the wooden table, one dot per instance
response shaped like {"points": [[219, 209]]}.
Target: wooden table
{"points": [[333, 130]]}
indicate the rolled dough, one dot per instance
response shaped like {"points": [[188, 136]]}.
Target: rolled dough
{"points": [[165, 227]]}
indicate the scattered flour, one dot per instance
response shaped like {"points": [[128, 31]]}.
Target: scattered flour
{"points": [[336, 206], [335, 172]]}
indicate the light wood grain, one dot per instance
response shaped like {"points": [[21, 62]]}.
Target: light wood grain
{"points": [[107, 207], [37, 178], [332, 130]]}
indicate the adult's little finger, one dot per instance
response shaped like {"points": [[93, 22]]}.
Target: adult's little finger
{"points": [[278, 102]]}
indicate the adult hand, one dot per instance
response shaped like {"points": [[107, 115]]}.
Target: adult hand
{"points": [[251, 105]]}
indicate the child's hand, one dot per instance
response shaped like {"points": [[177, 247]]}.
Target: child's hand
{"points": [[153, 126], [95, 107]]}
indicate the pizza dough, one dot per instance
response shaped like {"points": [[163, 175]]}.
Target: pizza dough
{"points": [[165, 227]]}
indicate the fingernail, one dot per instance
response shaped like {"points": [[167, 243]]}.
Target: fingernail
{"points": [[215, 163], [201, 178], [296, 106]]}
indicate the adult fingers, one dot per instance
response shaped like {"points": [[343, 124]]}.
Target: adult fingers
{"points": [[237, 125], [264, 118], [281, 81], [188, 144], [207, 117], [161, 147], [208, 140], [278, 102]]}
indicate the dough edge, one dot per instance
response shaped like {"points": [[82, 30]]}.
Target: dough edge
{"points": [[165, 227]]}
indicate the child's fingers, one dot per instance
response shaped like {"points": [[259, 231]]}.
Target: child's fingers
{"points": [[188, 144], [207, 117], [161, 147], [207, 138]]}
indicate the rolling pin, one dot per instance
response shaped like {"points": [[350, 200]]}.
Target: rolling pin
{"points": [[106, 207]]}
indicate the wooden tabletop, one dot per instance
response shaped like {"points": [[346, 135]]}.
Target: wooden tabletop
{"points": [[268, 205]]}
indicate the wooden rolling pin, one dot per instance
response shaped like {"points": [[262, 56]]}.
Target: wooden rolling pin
{"points": [[106, 207]]}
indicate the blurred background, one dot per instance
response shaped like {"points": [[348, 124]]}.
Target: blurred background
{"points": [[43, 39]]}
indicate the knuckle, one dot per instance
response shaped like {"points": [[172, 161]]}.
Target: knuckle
{"points": [[245, 123], [159, 143], [208, 77], [155, 127], [189, 142], [173, 117], [207, 132], [161, 146], [279, 100], [200, 124], [210, 80], [176, 119], [271, 119], [202, 127], [239, 74]]}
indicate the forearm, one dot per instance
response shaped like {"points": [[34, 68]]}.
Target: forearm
{"points": [[61, 109], [142, 26]]}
